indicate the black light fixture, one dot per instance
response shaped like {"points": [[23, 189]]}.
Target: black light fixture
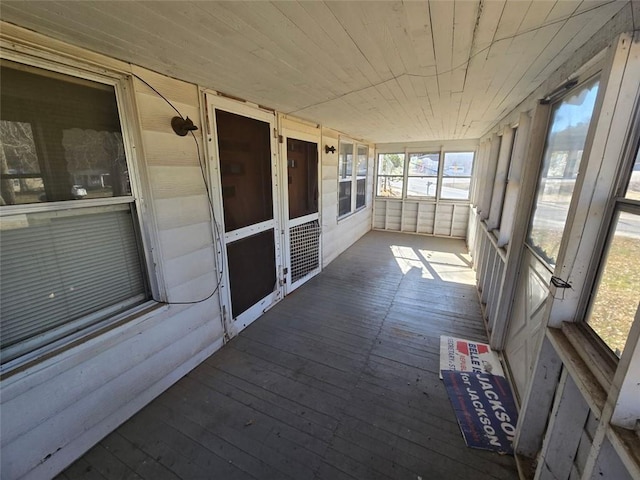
{"points": [[182, 126], [328, 149]]}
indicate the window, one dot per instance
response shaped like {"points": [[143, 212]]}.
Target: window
{"points": [[390, 175], [427, 175], [617, 295], [345, 178], [352, 179], [570, 118], [70, 253], [456, 175], [422, 174], [361, 176]]}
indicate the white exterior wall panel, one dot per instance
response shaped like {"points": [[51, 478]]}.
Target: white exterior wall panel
{"points": [[340, 234], [53, 410]]}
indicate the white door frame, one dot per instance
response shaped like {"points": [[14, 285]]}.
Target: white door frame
{"points": [[213, 102], [287, 223]]}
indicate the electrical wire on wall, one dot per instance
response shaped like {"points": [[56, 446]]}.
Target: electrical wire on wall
{"points": [[183, 127]]}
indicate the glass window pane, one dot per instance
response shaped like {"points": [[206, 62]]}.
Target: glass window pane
{"points": [[344, 198], [61, 138], [363, 152], [570, 120], [391, 164], [458, 164], [21, 178], [422, 186], [345, 160], [389, 187], [455, 188], [633, 189], [361, 192], [424, 164], [618, 293]]}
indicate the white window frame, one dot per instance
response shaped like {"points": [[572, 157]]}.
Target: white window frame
{"points": [[377, 175], [353, 178], [62, 337], [577, 187], [441, 176], [437, 176], [437, 198], [617, 204]]}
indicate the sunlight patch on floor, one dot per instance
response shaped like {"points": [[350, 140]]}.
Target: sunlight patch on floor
{"points": [[408, 259]]}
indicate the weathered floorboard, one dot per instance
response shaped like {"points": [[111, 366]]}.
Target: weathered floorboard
{"points": [[337, 381]]}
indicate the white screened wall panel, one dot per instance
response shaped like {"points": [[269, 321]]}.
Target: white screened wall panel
{"points": [[394, 215], [409, 217], [379, 214], [489, 265], [426, 217], [444, 215], [414, 216]]}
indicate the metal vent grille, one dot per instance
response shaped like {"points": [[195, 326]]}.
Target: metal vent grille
{"points": [[305, 249]]}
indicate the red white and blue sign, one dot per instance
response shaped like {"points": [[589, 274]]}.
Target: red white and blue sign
{"points": [[485, 409], [468, 356]]}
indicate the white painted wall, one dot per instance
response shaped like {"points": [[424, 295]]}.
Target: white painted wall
{"points": [[340, 234], [54, 409]]}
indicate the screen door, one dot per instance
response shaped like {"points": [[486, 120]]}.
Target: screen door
{"points": [[302, 235], [247, 172]]}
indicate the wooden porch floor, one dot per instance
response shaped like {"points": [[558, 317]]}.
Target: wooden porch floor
{"points": [[337, 381]]}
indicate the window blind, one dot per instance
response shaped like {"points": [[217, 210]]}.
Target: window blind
{"points": [[62, 267]]}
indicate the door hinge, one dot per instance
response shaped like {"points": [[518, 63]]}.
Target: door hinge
{"points": [[280, 139], [275, 133]]}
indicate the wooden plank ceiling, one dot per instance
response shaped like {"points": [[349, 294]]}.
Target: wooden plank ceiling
{"points": [[382, 71]]}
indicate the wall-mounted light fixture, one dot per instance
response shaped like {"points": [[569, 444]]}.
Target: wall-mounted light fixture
{"points": [[328, 149], [182, 126]]}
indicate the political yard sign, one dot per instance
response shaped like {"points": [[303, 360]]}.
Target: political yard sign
{"points": [[485, 409], [467, 356]]}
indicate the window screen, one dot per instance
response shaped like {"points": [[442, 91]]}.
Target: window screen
{"points": [[570, 119], [390, 175], [456, 175], [74, 263], [61, 138], [422, 176]]}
